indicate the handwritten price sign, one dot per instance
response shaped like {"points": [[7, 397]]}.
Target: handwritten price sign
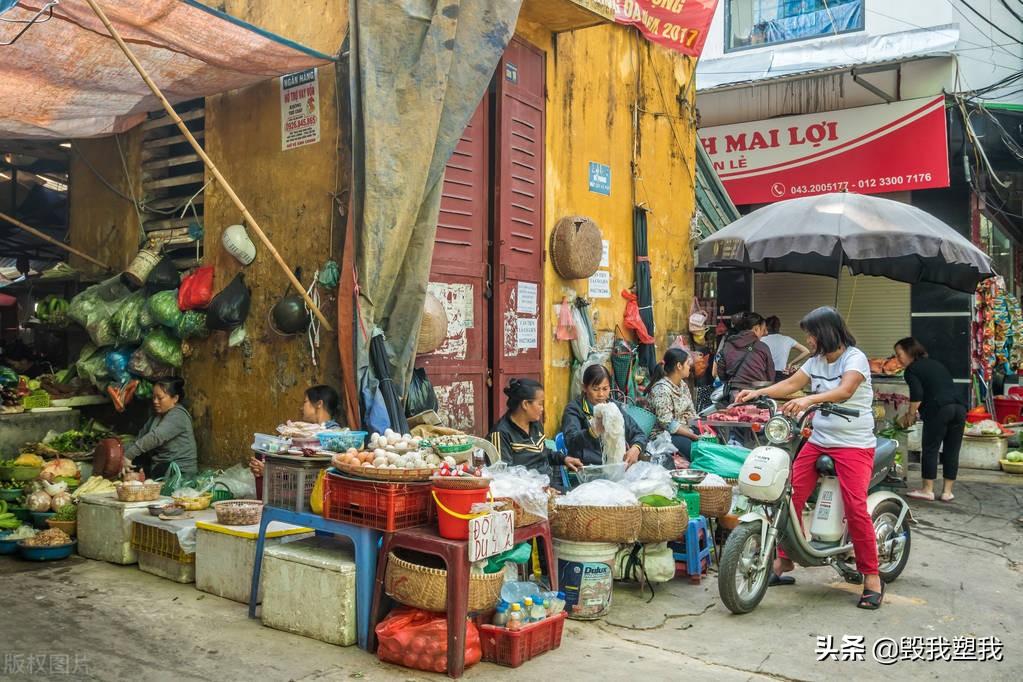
{"points": [[491, 534]]}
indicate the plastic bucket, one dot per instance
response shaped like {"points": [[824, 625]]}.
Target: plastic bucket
{"points": [[586, 576], [453, 510], [141, 266]]}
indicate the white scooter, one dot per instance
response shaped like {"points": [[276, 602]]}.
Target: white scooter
{"points": [[746, 562]]}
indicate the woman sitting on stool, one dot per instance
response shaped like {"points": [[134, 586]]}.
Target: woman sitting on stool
{"points": [[672, 402]]}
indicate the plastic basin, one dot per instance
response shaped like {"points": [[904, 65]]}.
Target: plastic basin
{"points": [[10, 494], [39, 519], [8, 546], [22, 473], [46, 553], [339, 441]]}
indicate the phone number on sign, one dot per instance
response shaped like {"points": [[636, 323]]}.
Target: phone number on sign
{"points": [[866, 183]]}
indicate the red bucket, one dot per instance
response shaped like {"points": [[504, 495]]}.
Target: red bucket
{"points": [[453, 510]]}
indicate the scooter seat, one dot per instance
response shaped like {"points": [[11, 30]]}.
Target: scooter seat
{"points": [[825, 465]]}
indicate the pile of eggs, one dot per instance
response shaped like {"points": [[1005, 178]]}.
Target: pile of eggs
{"points": [[393, 450]]}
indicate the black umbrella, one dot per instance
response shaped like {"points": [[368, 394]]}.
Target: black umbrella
{"points": [[871, 236], [378, 358], [647, 352]]}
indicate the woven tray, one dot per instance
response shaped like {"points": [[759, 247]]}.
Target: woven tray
{"points": [[663, 524], [460, 482], [715, 500], [399, 475], [195, 503], [147, 492], [596, 524], [426, 588], [238, 512]]}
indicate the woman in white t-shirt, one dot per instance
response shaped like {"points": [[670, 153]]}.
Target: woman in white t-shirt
{"points": [[838, 372], [781, 348]]}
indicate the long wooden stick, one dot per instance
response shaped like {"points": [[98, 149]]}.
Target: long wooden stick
{"points": [[209, 163], [47, 238]]}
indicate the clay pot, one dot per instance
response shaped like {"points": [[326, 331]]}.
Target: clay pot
{"points": [[108, 458]]}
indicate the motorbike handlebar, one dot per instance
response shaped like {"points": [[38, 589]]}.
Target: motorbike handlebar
{"points": [[841, 411]]}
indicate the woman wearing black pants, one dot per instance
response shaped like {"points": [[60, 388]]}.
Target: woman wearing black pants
{"points": [[932, 392]]}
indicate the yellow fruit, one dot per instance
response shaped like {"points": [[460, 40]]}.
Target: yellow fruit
{"points": [[29, 460], [316, 498]]}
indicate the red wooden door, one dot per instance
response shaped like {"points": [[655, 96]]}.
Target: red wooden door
{"points": [[458, 277], [517, 349]]}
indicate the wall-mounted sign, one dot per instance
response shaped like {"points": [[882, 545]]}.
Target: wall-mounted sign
{"points": [[600, 284], [679, 25], [300, 109], [605, 254], [600, 178], [868, 150]]}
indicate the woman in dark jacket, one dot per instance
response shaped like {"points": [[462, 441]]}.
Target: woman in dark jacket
{"points": [[519, 436], [746, 360], [582, 432], [932, 392]]}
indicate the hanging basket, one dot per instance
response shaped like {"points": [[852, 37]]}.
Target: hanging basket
{"points": [[576, 247], [434, 327]]}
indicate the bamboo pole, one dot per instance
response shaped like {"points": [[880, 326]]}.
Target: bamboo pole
{"points": [[47, 238], [209, 164]]}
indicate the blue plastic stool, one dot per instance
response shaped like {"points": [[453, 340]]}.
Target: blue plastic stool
{"points": [[365, 540], [694, 556]]}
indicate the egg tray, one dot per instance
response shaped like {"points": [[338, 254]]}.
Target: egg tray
{"points": [[371, 472]]}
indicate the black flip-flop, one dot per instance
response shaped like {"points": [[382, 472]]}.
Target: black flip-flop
{"points": [[778, 580], [871, 600]]}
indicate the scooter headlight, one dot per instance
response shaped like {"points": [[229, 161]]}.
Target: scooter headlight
{"points": [[778, 430]]}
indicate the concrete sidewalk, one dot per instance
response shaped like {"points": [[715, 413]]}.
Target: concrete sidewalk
{"points": [[965, 578]]}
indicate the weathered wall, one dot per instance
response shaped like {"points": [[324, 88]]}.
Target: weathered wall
{"points": [[235, 392], [595, 78], [103, 224]]}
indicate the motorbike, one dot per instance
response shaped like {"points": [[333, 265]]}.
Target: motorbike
{"points": [[746, 562]]}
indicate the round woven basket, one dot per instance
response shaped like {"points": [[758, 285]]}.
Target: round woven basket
{"points": [[434, 327], [663, 524], [576, 247], [461, 482], [523, 518], [426, 588], [147, 492], [596, 524], [715, 500]]}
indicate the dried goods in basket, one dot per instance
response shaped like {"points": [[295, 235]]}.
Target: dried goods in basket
{"points": [[238, 512]]}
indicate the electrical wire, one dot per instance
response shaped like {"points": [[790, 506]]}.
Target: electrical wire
{"points": [[1012, 11], [986, 20]]}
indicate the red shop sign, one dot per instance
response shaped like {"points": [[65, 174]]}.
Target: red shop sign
{"points": [[868, 150], [679, 25]]}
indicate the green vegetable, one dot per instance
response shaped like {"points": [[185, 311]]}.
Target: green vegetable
{"points": [[1015, 456], [68, 512], [164, 307], [192, 324], [163, 347], [126, 320], [658, 501]]}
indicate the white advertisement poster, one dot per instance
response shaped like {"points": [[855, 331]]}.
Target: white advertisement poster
{"points": [[605, 256], [300, 109], [525, 335], [600, 284], [526, 303]]}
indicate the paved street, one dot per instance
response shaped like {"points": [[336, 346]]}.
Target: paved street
{"points": [[964, 579]]}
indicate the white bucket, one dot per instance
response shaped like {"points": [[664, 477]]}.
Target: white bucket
{"points": [[139, 269], [585, 576]]}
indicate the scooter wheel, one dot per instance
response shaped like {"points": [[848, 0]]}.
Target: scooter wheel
{"points": [[884, 517], [744, 570]]}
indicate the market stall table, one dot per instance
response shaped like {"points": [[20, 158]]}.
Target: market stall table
{"points": [[168, 549], [104, 527], [365, 540]]}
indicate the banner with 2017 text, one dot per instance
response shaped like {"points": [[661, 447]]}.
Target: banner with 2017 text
{"points": [[679, 25]]}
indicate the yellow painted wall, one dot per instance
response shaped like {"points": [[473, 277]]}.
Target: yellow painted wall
{"points": [[595, 76], [237, 391]]}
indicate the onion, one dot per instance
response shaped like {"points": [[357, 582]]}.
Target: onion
{"points": [[60, 500], [38, 501]]}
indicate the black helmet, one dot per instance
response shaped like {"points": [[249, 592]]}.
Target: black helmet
{"points": [[289, 315]]}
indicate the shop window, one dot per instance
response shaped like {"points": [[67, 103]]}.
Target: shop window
{"points": [[754, 23], [998, 245]]}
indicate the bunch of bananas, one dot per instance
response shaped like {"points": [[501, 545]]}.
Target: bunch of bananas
{"points": [[7, 519]]}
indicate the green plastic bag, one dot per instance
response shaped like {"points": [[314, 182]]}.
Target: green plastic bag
{"points": [[711, 456], [519, 554], [164, 307], [192, 325], [162, 347], [172, 481], [125, 321]]}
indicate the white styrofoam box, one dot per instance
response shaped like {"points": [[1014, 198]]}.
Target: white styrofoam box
{"points": [[983, 453], [915, 437], [309, 590], [104, 527], [225, 556], [165, 567]]}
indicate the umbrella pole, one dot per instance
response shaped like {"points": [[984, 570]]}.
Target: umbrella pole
{"points": [[838, 280], [47, 238], [209, 164]]}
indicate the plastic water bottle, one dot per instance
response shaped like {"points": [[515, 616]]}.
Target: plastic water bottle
{"points": [[538, 612], [527, 610], [516, 591], [515, 618], [501, 615], [557, 604]]}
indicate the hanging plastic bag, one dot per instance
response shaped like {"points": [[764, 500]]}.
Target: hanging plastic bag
{"points": [[126, 325], [92, 365], [230, 307], [421, 396], [714, 458], [122, 395], [632, 319], [163, 277], [117, 365], [163, 347], [196, 289], [566, 325], [164, 307], [418, 639], [141, 365], [94, 308], [192, 325]]}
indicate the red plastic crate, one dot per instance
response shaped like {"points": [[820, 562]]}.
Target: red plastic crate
{"points": [[514, 647], [1008, 410], [382, 506]]}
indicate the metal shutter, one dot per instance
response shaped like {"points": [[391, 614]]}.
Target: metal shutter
{"points": [[877, 309]]}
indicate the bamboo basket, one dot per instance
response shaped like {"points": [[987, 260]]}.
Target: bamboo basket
{"points": [[596, 524], [238, 512], [523, 518], [390, 475], [426, 588], [663, 524], [147, 492], [195, 503], [715, 500]]}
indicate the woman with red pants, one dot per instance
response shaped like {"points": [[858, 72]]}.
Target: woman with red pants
{"points": [[839, 373]]}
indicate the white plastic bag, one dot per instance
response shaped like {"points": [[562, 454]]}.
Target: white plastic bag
{"points": [[712, 481], [599, 494], [240, 481], [525, 487], [646, 478]]}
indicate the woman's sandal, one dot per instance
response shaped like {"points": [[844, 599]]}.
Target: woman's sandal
{"points": [[778, 580], [947, 497], [871, 600], [920, 495]]}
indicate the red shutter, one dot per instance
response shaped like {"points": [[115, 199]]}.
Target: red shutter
{"points": [[458, 277], [519, 217]]}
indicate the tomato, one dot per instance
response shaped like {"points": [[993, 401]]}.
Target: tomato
{"points": [[417, 645]]}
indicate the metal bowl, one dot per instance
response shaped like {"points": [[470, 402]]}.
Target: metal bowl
{"points": [[166, 509], [688, 475]]}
